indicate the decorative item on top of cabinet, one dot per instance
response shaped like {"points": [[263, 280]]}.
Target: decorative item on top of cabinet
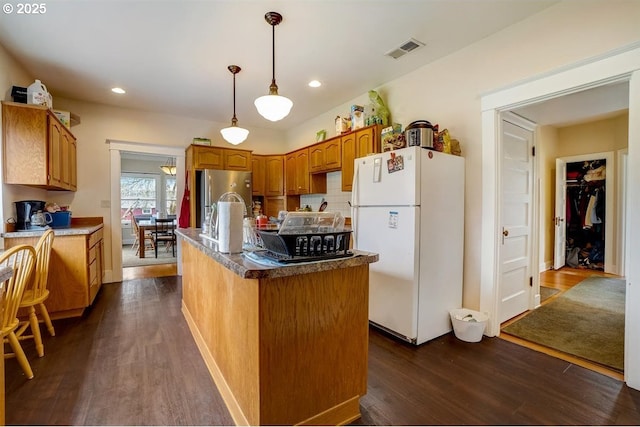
{"points": [[39, 151]]}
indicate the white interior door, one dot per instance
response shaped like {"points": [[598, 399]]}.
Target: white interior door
{"points": [[516, 220], [560, 219]]}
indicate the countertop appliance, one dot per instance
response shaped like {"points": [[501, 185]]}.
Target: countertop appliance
{"points": [[25, 209], [419, 134], [408, 206], [213, 183]]}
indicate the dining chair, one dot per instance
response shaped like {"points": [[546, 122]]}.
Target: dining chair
{"points": [[148, 238], [21, 259], [164, 232], [36, 293]]}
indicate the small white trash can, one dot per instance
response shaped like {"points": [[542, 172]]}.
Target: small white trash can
{"points": [[468, 325]]}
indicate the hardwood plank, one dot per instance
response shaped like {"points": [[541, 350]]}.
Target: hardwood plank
{"points": [[130, 359]]}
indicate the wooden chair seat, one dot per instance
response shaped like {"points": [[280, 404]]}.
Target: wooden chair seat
{"points": [[22, 260]]}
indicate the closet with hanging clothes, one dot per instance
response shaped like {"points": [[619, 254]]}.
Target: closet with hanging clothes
{"points": [[585, 215]]}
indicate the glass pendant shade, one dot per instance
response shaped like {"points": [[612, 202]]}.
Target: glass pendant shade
{"points": [[273, 106], [169, 168], [234, 134]]}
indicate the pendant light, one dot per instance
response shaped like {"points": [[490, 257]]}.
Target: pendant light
{"points": [[170, 167], [234, 134], [273, 106]]}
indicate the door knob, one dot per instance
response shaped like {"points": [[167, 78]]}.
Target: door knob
{"points": [[505, 233]]}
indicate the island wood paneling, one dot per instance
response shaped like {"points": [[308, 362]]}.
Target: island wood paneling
{"points": [[290, 350]]}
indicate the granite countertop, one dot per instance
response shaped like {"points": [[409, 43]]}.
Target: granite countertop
{"points": [[74, 230], [246, 267]]}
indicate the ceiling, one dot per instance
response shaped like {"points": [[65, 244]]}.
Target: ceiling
{"points": [[587, 105], [172, 56]]}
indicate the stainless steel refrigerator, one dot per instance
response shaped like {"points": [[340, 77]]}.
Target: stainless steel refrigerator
{"points": [[212, 183]]}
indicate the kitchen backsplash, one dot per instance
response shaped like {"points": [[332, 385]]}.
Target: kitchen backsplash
{"points": [[337, 200]]}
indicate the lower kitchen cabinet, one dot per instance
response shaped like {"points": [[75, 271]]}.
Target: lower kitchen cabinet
{"points": [[76, 267]]}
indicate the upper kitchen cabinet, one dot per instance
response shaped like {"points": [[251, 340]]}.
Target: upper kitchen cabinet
{"points": [[298, 179], [38, 150], [357, 144], [207, 157], [258, 175], [237, 160], [274, 179], [325, 156]]}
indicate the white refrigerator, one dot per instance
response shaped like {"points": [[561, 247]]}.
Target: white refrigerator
{"points": [[408, 206]]}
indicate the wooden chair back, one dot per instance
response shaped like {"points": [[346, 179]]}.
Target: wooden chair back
{"points": [[43, 254], [22, 260], [134, 223]]}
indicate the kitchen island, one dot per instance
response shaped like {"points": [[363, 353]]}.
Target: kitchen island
{"points": [[285, 344]]}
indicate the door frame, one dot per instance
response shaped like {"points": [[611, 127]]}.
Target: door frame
{"points": [[616, 66], [609, 265], [115, 148]]}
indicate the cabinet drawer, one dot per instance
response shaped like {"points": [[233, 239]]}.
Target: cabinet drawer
{"points": [[94, 238], [93, 272], [92, 254]]}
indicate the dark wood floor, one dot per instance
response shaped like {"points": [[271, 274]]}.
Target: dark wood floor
{"points": [[131, 361]]}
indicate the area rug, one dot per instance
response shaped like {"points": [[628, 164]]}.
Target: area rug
{"points": [[130, 259], [546, 293], [586, 321]]}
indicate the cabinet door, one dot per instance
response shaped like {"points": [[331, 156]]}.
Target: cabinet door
{"points": [[316, 158], [332, 154], [207, 157], [25, 144], [73, 167], [55, 154], [65, 164], [237, 160], [348, 157], [366, 142], [274, 166], [302, 171], [258, 175], [290, 174]]}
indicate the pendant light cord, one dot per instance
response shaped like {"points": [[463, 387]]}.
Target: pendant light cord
{"points": [[273, 54], [234, 96]]}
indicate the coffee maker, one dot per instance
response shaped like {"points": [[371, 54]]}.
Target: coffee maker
{"points": [[24, 210]]}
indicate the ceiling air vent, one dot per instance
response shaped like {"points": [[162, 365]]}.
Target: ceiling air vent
{"points": [[406, 47]]}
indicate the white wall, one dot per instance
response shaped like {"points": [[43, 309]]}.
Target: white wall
{"points": [[448, 91]]}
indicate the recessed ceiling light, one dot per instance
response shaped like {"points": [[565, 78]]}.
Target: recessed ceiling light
{"points": [[315, 83], [118, 90]]}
